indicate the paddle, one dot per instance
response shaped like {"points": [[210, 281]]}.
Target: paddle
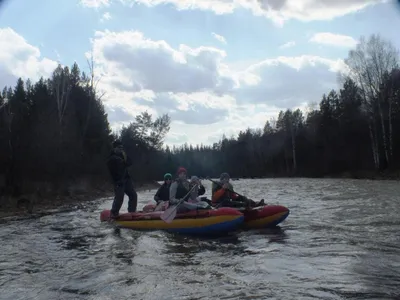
{"points": [[170, 213], [159, 206], [221, 185]]}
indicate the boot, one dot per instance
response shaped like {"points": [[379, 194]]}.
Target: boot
{"points": [[113, 216], [250, 203], [261, 203]]}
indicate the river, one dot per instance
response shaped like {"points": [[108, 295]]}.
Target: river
{"points": [[341, 241]]}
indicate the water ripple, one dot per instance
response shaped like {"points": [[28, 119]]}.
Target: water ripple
{"points": [[340, 242]]}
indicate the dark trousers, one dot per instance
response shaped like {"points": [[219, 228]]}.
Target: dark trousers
{"points": [[239, 202], [120, 190], [231, 203]]}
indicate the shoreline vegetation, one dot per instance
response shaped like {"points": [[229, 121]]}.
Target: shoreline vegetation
{"points": [[55, 136], [51, 201]]}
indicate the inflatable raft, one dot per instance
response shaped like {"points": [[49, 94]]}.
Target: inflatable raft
{"points": [[213, 221], [257, 217], [264, 216]]}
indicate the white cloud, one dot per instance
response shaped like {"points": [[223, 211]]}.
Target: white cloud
{"points": [[20, 59], [203, 94], [95, 3], [106, 16], [137, 63], [277, 10], [310, 10], [176, 139], [219, 37], [240, 118], [333, 39], [195, 108], [286, 82], [288, 45]]}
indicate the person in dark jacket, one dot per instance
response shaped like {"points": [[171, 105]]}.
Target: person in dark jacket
{"points": [[162, 193], [118, 164]]}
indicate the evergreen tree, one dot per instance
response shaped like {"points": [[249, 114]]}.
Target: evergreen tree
{"points": [[56, 130]]}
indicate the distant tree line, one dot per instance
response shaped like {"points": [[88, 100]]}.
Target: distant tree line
{"points": [[56, 130]]}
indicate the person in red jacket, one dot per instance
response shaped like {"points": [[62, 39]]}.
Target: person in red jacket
{"points": [[224, 195]]}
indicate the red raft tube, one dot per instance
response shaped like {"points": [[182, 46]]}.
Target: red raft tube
{"points": [[203, 222], [256, 218], [264, 216]]}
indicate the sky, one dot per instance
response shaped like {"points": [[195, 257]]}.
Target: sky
{"points": [[215, 66]]}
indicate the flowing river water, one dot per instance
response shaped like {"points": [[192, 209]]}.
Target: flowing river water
{"points": [[341, 241]]}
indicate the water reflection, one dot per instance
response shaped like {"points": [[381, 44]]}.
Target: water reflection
{"points": [[184, 250], [273, 235]]}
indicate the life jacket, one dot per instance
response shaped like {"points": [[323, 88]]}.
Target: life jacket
{"points": [[219, 194], [182, 189]]}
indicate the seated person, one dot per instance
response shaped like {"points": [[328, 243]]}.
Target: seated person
{"points": [[180, 189], [201, 189], [162, 193], [223, 195]]}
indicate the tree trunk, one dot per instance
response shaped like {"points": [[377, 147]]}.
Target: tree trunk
{"points": [[376, 141], [294, 150], [384, 136], [390, 126], [373, 147]]}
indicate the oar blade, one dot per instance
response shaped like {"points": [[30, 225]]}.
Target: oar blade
{"points": [[163, 205], [169, 215]]}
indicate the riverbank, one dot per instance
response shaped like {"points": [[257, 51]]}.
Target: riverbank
{"points": [[53, 201], [368, 175], [362, 175], [384, 175]]}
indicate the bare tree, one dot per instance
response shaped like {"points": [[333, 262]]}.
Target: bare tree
{"points": [[92, 85], [62, 90], [367, 66]]}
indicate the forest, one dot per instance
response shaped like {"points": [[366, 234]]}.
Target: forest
{"points": [[56, 131]]}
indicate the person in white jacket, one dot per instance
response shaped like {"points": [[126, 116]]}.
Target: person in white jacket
{"points": [[180, 189]]}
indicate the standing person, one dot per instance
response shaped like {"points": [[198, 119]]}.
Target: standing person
{"points": [[118, 163], [162, 193]]}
